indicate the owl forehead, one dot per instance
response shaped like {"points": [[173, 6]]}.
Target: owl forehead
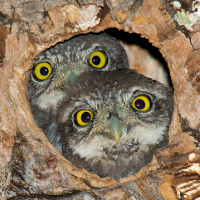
{"points": [[114, 93], [73, 50], [57, 56], [104, 97]]}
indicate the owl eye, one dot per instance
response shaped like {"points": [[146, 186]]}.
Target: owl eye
{"points": [[42, 71], [98, 59], [141, 103], [83, 117]]}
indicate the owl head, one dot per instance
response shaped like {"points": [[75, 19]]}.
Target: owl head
{"points": [[61, 64], [113, 121]]}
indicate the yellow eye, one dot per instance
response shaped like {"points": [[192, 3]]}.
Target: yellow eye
{"points": [[83, 117], [42, 71], [141, 103], [98, 59]]}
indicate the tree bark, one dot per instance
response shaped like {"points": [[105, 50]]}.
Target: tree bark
{"points": [[30, 167]]}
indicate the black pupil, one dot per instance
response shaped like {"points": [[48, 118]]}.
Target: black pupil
{"points": [[96, 60], [44, 71], [86, 117], [139, 104]]}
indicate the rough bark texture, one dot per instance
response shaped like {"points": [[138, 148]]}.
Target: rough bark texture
{"points": [[29, 165]]}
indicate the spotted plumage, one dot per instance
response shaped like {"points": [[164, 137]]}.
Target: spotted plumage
{"points": [[60, 65], [112, 122]]}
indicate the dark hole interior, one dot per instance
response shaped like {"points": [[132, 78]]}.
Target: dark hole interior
{"points": [[143, 56]]}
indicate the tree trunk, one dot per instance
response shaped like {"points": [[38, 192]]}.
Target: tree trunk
{"points": [[30, 167]]}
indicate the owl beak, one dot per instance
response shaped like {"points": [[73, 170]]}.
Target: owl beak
{"points": [[115, 126], [71, 78]]}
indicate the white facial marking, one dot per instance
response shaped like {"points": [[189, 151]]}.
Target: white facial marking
{"points": [[49, 100], [90, 150], [148, 135]]}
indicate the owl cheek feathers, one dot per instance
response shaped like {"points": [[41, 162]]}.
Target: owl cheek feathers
{"points": [[149, 136], [47, 101]]}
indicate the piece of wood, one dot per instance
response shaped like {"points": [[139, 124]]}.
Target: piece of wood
{"points": [[29, 165]]}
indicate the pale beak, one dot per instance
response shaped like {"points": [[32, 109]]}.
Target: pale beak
{"points": [[115, 125], [71, 78]]}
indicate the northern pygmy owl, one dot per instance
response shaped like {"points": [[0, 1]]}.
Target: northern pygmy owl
{"points": [[112, 122]]}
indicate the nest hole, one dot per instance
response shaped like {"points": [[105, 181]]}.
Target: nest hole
{"points": [[142, 56]]}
